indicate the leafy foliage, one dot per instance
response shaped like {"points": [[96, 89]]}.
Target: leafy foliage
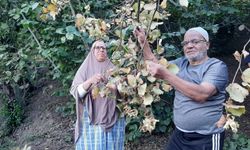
{"points": [[50, 39], [237, 142]]}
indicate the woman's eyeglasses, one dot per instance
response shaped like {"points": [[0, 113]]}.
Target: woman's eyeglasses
{"points": [[194, 42], [100, 47]]}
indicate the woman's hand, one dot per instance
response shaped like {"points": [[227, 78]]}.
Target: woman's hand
{"points": [[112, 87], [97, 78]]}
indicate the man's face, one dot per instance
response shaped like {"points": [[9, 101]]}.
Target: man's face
{"points": [[195, 46], [100, 51]]}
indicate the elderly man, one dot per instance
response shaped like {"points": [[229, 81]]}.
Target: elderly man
{"points": [[199, 92]]}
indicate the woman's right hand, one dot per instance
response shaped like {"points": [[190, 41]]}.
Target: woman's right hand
{"points": [[97, 78]]}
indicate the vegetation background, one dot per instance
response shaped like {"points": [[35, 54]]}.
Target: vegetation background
{"points": [[41, 48]]}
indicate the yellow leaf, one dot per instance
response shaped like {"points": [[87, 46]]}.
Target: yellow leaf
{"points": [[148, 99], [52, 7], [80, 20], [235, 109], [122, 88], [246, 75], [135, 7], [45, 10], [231, 124], [150, 6], [166, 87], [173, 68], [148, 124], [160, 50], [245, 53], [237, 56], [131, 80], [163, 62], [237, 92], [125, 70], [157, 91], [183, 3], [103, 26], [43, 17], [135, 100], [164, 4], [155, 24], [95, 92], [142, 89], [144, 72], [154, 35], [151, 79], [54, 1]]}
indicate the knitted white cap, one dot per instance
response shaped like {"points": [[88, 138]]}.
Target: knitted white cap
{"points": [[200, 30]]}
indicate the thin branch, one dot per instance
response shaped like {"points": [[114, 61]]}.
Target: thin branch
{"points": [[39, 45], [156, 8], [237, 70], [138, 11], [72, 9], [32, 33], [244, 48], [174, 3]]}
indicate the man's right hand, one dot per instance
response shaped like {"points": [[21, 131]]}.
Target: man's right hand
{"points": [[139, 33]]}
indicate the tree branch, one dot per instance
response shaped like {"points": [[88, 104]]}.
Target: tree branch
{"points": [[39, 45], [72, 9], [244, 48]]}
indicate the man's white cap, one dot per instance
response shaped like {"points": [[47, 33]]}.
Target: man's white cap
{"points": [[200, 30]]}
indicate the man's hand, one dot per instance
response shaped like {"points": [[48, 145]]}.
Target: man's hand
{"points": [[155, 69], [139, 33], [221, 122]]}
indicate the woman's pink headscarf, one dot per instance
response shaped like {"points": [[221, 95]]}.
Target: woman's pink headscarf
{"points": [[102, 111]]}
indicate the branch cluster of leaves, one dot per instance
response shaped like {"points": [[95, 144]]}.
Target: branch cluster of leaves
{"points": [[237, 92], [138, 89]]}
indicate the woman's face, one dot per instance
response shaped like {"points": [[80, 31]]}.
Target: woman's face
{"points": [[100, 51]]}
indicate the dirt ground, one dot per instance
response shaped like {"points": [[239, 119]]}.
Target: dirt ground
{"points": [[46, 129]]}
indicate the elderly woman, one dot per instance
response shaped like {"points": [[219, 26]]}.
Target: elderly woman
{"points": [[98, 125]]}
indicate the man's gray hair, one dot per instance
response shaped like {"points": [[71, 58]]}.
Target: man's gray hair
{"points": [[202, 31]]}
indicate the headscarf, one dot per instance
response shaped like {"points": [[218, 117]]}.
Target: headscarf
{"points": [[202, 32], [101, 111]]}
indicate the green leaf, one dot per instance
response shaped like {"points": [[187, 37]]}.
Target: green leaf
{"points": [[8, 73], [69, 36], [60, 31], [70, 29], [34, 6], [183, 3], [63, 39]]}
